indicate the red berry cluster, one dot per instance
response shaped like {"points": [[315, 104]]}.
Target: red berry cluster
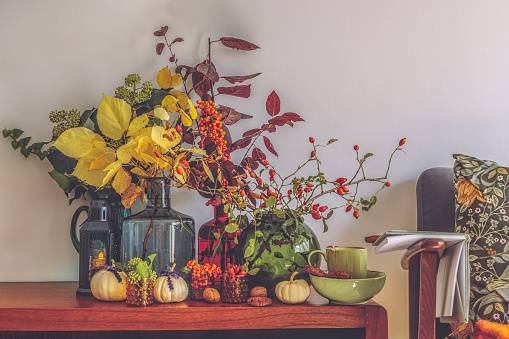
{"points": [[317, 209], [201, 275], [232, 272], [210, 126], [341, 189]]}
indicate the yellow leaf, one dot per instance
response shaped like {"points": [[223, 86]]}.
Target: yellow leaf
{"points": [[94, 177], [181, 178], [170, 104], [98, 141], [99, 162], [75, 142], [126, 152], [195, 150], [113, 117], [501, 170], [165, 138], [137, 124], [122, 180], [161, 113], [186, 120], [182, 99], [165, 80], [208, 171], [139, 172], [192, 110], [130, 195], [111, 170]]}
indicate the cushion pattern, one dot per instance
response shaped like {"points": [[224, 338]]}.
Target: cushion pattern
{"points": [[482, 211]]}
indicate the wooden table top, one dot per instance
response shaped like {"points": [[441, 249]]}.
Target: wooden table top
{"points": [[54, 306]]}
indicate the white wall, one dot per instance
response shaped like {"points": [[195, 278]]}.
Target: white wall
{"points": [[367, 72]]}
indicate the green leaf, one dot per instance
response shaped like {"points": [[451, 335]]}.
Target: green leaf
{"points": [[226, 208], [85, 116], [23, 142], [88, 196], [143, 270], [249, 251], [16, 133], [331, 141], [186, 269], [373, 200], [288, 222], [236, 240], [271, 201], [492, 174], [231, 228], [14, 144], [325, 227], [208, 171], [6, 132], [151, 260], [279, 213], [329, 214], [217, 235], [253, 271], [217, 249], [367, 155], [62, 180], [258, 234], [278, 255], [37, 146], [25, 151], [251, 242]]}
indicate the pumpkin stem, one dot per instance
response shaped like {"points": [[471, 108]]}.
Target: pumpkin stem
{"points": [[173, 267], [293, 275]]}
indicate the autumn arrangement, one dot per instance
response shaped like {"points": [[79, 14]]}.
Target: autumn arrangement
{"points": [[179, 132]]}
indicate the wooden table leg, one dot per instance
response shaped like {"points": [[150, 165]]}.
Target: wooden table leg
{"points": [[376, 323]]}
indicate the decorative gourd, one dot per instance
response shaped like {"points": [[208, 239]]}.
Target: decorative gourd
{"points": [[292, 292], [109, 284], [170, 287]]}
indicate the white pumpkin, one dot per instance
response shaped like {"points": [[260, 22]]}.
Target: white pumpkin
{"points": [[293, 291], [105, 286], [163, 294]]}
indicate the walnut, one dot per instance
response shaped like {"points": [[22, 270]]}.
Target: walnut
{"points": [[211, 295], [259, 301], [314, 271], [258, 291], [338, 275], [371, 239]]}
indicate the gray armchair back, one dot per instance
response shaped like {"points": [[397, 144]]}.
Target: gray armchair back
{"points": [[435, 200]]}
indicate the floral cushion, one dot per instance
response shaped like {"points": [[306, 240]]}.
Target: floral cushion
{"points": [[482, 211]]}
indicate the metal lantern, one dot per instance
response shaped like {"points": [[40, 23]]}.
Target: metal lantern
{"points": [[99, 243]]}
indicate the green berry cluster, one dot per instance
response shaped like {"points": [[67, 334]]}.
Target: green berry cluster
{"points": [[130, 93], [133, 277], [132, 273], [65, 120]]}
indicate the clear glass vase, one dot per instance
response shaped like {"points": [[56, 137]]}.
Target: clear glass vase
{"points": [[159, 229]]}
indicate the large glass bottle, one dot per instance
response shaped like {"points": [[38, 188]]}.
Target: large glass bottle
{"points": [[159, 229], [207, 242]]}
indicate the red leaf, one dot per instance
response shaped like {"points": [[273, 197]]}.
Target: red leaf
{"points": [[208, 70], [177, 40], [252, 133], [273, 104], [231, 116], [238, 44], [248, 161], [258, 154], [162, 31], [234, 79], [279, 121], [293, 117], [269, 128], [269, 146], [243, 91], [159, 48], [241, 143], [201, 84]]}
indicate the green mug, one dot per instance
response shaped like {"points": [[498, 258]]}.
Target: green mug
{"points": [[352, 260]]}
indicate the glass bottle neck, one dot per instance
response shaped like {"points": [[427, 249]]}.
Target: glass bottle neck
{"points": [[158, 193]]}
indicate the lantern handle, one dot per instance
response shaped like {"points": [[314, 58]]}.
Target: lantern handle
{"points": [[74, 227]]}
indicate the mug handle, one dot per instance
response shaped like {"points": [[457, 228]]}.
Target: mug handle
{"points": [[75, 228], [316, 251]]}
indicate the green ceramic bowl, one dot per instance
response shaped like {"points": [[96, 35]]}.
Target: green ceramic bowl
{"points": [[349, 291]]}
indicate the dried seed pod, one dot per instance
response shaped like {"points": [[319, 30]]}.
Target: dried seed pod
{"points": [[211, 295], [259, 301], [258, 291]]}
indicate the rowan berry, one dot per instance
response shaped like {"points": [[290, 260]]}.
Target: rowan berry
{"points": [[340, 191], [316, 215], [348, 208], [259, 181], [356, 214], [323, 209], [290, 192], [311, 140], [345, 189], [309, 184], [159, 155], [265, 162], [272, 172], [313, 153], [178, 128], [179, 170], [252, 175], [307, 189], [387, 183], [316, 206], [356, 147], [242, 194], [402, 141]]}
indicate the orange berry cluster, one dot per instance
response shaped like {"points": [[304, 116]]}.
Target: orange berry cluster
{"points": [[201, 274], [490, 251], [233, 271], [210, 126]]}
